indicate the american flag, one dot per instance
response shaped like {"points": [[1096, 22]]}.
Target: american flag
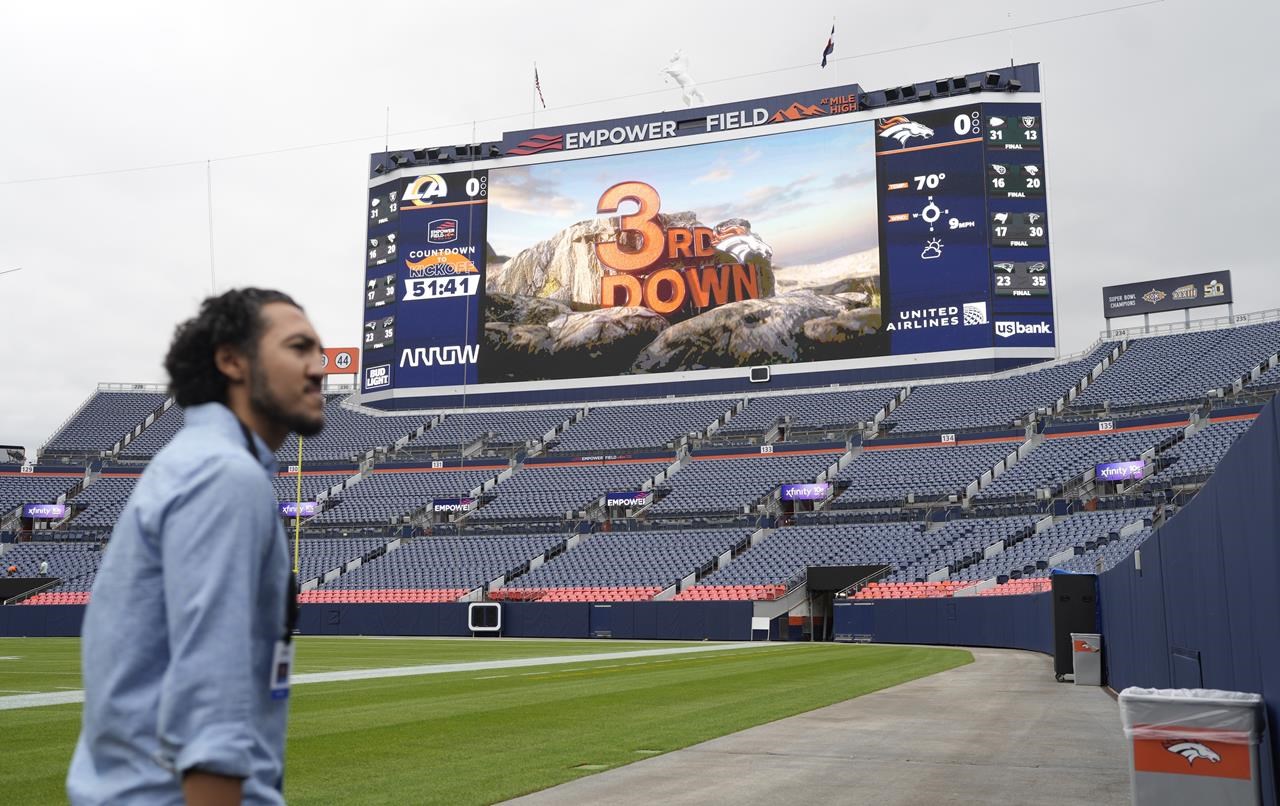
{"points": [[831, 45], [537, 85]]}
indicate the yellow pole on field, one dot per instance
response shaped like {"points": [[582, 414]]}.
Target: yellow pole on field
{"points": [[297, 514]]}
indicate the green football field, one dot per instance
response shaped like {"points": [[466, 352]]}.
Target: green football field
{"points": [[482, 735]]}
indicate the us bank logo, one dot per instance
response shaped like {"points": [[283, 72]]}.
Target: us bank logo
{"points": [[1007, 330]]}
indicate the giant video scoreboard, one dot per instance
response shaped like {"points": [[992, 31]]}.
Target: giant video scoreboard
{"points": [[800, 231]]}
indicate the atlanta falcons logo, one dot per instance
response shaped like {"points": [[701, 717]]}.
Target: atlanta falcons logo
{"points": [[901, 129], [1192, 751]]}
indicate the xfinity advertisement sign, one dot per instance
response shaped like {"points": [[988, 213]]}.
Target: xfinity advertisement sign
{"points": [[1119, 471], [806, 492], [44, 512], [295, 509]]}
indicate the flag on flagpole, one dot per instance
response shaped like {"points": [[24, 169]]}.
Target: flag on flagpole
{"points": [[831, 45], [537, 85]]}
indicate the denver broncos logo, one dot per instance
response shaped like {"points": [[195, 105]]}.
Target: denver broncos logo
{"points": [[1192, 751], [902, 129]]}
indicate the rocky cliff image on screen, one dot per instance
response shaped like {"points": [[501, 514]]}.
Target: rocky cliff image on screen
{"points": [[729, 254]]}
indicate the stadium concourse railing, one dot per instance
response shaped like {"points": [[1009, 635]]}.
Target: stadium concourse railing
{"points": [[1207, 323]]}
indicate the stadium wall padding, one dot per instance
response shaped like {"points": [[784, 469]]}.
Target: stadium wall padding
{"points": [[41, 621], [671, 621], [1015, 622]]}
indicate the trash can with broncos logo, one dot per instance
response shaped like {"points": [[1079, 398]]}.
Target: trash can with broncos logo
{"points": [[1193, 746]]}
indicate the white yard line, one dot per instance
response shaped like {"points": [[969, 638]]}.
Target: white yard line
{"points": [[68, 697]]}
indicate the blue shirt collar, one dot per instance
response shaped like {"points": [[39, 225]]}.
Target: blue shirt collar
{"points": [[220, 419]]}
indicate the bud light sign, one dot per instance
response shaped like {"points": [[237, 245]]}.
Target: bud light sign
{"points": [[634, 499], [294, 509], [1119, 471], [44, 512], [806, 492]]}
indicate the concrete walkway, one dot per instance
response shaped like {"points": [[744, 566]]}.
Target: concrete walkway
{"points": [[999, 730]]}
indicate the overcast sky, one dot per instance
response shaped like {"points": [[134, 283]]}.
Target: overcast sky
{"points": [[1159, 122]]}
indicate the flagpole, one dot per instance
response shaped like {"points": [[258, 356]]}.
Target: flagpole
{"points": [[836, 60], [533, 102], [297, 515]]}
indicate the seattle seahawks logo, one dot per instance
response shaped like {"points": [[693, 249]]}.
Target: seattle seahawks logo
{"points": [[1192, 751], [901, 129]]}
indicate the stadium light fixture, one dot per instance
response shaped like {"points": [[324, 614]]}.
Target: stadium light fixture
{"points": [[992, 81], [942, 87], [892, 96], [1014, 85], [908, 92], [960, 84]]}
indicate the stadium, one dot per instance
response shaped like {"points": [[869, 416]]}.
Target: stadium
{"points": [[728, 489]]}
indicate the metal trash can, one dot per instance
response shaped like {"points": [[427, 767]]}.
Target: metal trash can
{"points": [[1086, 658], [1192, 746]]}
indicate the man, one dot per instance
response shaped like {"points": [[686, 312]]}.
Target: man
{"points": [[190, 615], [44, 567]]}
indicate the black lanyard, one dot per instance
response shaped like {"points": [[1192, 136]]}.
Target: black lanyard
{"points": [[291, 602]]}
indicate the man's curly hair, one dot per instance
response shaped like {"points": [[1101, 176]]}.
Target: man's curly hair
{"points": [[233, 318]]}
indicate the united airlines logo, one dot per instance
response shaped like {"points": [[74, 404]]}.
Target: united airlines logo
{"points": [[439, 356], [975, 313]]}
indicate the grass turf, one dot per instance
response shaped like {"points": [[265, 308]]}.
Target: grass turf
{"points": [[480, 737]]}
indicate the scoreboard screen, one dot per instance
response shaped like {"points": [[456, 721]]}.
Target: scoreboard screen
{"points": [[791, 230]]}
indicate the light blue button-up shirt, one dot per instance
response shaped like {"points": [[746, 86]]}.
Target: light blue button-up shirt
{"points": [[180, 633]]}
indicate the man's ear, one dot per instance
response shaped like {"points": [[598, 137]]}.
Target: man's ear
{"points": [[231, 362]]}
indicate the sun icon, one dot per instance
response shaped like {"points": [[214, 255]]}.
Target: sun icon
{"points": [[932, 249]]}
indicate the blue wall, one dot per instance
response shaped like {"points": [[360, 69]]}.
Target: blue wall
{"points": [[689, 621], [1204, 610], [1018, 622], [19, 621]]}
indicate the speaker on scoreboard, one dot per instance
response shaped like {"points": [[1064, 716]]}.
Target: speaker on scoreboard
{"points": [[992, 81], [892, 96], [942, 87], [760, 375]]}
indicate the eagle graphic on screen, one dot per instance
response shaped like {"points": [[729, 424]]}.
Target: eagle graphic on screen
{"points": [[902, 129]]}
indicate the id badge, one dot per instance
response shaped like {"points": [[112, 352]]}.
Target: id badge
{"points": [[281, 667]]}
